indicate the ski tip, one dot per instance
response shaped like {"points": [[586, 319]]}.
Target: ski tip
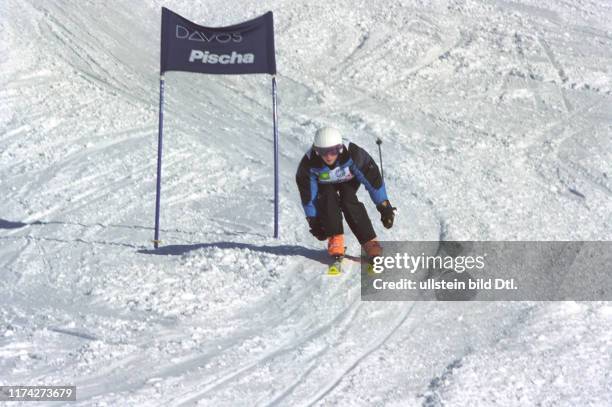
{"points": [[334, 271], [370, 270]]}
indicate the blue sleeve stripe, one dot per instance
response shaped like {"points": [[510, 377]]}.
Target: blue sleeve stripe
{"points": [[309, 208], [377, 195], [380, 195]]}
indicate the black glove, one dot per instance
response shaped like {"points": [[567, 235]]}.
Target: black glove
{"points": [[386, 213], [316, 228]]}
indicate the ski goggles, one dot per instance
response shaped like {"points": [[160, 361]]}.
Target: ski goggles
{"points": [[333, 150]]}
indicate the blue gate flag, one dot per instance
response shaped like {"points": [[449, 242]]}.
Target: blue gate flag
{"points": [[244, 48]]}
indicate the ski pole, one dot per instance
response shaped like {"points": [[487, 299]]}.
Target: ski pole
{"points": [[382, 173]]}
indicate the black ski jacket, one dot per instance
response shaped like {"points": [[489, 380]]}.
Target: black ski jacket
{"points": [[352, 163]]}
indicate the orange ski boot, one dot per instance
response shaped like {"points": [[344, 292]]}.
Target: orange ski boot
{"points": [[335, 246]]}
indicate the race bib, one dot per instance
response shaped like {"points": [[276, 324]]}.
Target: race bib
{"points": [[339, 174]]}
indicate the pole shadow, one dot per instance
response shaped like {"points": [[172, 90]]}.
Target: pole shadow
{"points": [[320, 256], [8, 224]]}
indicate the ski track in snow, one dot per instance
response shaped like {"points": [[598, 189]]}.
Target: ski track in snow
{"points": [[495, 119]]}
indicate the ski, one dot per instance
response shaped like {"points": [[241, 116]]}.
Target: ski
{"points": [[335, 269], [369, 261]]}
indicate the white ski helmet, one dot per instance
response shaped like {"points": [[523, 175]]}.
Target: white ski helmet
{"points": [[327, 137]]}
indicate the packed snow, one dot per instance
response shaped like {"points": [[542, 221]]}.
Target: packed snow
{"points": [[496, 119]]}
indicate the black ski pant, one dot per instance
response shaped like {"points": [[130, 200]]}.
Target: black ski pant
{"points": [[333, 200]]}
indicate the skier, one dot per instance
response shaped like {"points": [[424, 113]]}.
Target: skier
{"points": [[328, 177]]}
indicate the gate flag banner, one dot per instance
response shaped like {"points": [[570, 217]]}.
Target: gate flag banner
{"points": [[244, 48]]}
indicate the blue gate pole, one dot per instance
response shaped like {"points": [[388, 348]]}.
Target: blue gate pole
{"points": [[276, 192], [156, 240]]}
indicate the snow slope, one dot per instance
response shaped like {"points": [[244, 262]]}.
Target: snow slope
{"points": [[496, 119]]}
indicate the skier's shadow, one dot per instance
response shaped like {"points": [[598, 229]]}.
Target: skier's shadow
{"points": [[7, 224], [281, 250]]}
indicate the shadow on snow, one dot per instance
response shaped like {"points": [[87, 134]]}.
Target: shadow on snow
{"points": [[280, 250]]}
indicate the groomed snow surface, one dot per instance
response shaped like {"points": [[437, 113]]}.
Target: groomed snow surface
{"points": [[496, 118]]}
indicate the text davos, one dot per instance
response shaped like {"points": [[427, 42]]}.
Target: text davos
{"points": [[183, 33]]}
